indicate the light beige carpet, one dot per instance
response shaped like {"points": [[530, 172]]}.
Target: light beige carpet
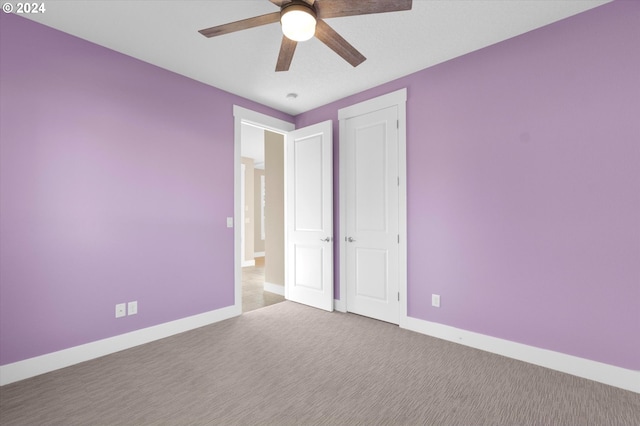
{"points": [[288, 364]]}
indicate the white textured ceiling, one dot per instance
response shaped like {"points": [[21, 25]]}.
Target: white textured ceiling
{"points": [[164, 33]]}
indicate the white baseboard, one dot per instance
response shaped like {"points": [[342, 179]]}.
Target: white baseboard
{"points": [[339, 305], [21, 370], [274, 288], [581, 367], [246, 263], [258, 254]]}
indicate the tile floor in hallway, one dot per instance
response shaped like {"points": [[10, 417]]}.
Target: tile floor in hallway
{"points": [[253, 294]]}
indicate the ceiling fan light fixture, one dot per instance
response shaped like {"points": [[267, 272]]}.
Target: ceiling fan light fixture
{"points": [[298, 21]]}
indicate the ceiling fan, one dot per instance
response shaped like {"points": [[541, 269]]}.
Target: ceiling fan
{"points": [[303, 19]]}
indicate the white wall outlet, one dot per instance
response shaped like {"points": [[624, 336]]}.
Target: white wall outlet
{"points": [[435, 300], [121, 310], [229, 222], [132, 308]]}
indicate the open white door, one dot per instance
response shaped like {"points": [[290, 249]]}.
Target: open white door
{"points": [[309, 216]]}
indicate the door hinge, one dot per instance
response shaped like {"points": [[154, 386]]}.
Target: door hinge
{"points": [[398, 238], [398, 296], [398, 180], [397, 124]]}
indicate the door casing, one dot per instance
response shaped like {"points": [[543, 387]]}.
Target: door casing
{"points": [[397, 99]]}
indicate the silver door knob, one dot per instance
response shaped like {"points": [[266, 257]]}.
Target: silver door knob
{"points": [[350, 239], [326, 240]]}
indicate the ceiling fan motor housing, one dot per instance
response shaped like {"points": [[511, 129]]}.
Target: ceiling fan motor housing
{"points": [[298, 5]]}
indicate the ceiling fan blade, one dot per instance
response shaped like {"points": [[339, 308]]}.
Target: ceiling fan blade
{"points": [[244, 24], [331, 38], [336, 8], [287, 49]]}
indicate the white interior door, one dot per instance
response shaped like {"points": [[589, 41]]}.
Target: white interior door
{"points": [[309, 216], [372, 214]]}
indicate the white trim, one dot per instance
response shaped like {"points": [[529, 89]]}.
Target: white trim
{"points": [[581, 367], [339, 305], [243, 225], [263, 181], [243, 115], [399, 100], [258, 254], [285, 200], [262, 121], [274, 288], [381, 102], [53, 361], [246, 263]]}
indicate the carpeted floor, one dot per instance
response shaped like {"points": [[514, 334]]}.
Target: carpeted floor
{"points": [[289, 364]]}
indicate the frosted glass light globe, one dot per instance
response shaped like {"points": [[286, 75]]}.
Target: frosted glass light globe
{"points": [[298, 24]]}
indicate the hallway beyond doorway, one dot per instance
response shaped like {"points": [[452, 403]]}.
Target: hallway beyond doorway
{"points": [[253, 294]]}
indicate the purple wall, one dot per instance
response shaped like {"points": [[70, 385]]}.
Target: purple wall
{"points": [[524, 187], [114, 187]]}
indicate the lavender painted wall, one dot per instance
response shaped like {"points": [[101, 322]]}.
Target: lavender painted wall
{"points": [[114, 186], [524, 187]]}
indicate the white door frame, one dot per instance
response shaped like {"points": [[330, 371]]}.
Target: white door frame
{"points": [[399, 100], [243, 115], [243, 243]]}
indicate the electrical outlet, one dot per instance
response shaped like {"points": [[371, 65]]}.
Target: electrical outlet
{"points": [[132, 308], [229, 222], [435, 300], [121, 310]]}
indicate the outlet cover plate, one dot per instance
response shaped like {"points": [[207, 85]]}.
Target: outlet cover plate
{"points": [[435, 300], [132, 308], [121, 310]]}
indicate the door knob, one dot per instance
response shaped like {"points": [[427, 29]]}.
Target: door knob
{"points": [[350, 239], [326, 240]]}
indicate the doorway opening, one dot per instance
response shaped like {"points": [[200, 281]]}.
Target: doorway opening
{"points": [[306, 189], [262, 215], [259, 206]]}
